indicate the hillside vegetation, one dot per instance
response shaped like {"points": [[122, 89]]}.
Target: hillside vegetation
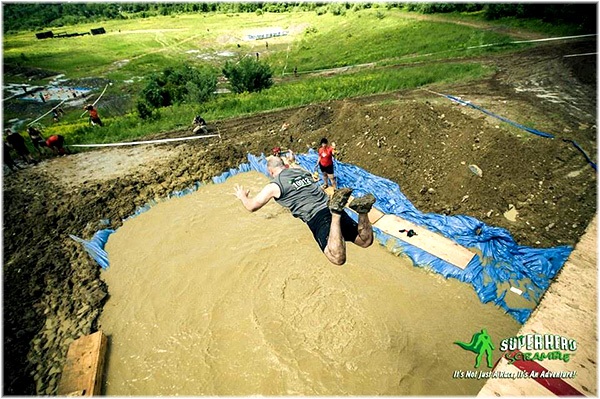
{"points": [[379, 48]]}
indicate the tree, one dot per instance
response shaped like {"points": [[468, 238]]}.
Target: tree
{"points": [[249, 75]]}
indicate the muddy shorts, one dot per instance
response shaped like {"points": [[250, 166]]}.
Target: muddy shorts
{"points": [[319, 225], [326, 169]]}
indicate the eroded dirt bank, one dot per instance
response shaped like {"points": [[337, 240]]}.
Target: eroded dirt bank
{"points": [[52, 291]]}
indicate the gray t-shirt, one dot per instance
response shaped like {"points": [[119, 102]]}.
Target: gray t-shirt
{"points": [[300, 193]]}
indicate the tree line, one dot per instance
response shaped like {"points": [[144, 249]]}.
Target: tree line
{"points": [[38, 16]]}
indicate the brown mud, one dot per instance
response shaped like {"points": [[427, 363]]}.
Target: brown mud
{"points": [[53, 292]]}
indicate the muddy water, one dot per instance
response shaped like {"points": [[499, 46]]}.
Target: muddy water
{"points": [[209, 299]]}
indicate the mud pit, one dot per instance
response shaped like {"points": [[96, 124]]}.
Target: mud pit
{"points": [[53, 292], [208, 299]]}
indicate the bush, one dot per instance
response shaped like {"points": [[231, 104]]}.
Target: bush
{"points": [[145, 110], [249, 75], [321, 10], [176, 85], [337, 9], [310, 30]]}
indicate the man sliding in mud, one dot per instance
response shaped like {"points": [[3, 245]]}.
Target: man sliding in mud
{"points": [[295, 189]]}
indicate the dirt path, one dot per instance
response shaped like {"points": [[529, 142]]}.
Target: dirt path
{"points": [[512, 32], [53, 294]]}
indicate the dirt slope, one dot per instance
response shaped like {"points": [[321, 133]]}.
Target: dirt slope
{"points": [[424, 142]]}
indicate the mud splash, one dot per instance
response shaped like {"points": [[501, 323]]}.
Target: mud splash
{"points": [[208, 299]]}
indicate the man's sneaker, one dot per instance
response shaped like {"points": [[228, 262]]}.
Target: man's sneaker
{"points": [[362, 204], [338, 200]]}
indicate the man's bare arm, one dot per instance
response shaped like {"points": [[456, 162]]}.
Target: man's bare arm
{"points": [[271, 190]]}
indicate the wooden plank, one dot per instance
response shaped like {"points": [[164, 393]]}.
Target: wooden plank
{"points": [[433, 243], [82, 373], [374, 215]]}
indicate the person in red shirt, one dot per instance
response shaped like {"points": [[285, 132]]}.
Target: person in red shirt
{"points": [[94, 118], [325, 162], [55, 143]]}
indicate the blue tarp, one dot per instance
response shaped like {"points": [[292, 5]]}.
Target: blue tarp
{"points": [[501, 263], [95, 246]]}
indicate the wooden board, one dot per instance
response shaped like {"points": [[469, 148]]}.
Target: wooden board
{"points": [[433, 243], [82, 373]]}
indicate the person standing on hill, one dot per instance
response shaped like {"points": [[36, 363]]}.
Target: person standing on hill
{"points": [[325, 163], [37, 139], [94, 118], [17, 142], [331, 226], [7, 158]]}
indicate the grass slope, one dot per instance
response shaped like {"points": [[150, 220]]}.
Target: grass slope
{"points": [[132, 49]]}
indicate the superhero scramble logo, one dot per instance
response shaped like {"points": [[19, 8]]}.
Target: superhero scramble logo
{"points": [[521, 351], [538, 347], [481, 344]]}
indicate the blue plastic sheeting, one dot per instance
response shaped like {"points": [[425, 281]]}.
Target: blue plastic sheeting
{"points": [[226, 175], [95, 247], [502, 263]]}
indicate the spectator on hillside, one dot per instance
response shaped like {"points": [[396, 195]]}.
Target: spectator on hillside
{"points": [[199, 125], [37, 139], [55, 143], [7, 158], [17, 142], [94, 118]]}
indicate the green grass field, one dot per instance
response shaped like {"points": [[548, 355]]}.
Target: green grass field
{"points": [[132, 49]]}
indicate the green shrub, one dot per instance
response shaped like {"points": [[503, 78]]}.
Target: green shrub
{"points": [[176, 85], [337, 9], [321, 10], [249, 75], [145, 110], [310, 30]]}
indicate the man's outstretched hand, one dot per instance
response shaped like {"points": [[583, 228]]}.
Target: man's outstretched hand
{"points": [[240, 192]]}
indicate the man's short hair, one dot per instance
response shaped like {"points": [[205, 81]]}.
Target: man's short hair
{"points": [[324, 140], [274, 162]]}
